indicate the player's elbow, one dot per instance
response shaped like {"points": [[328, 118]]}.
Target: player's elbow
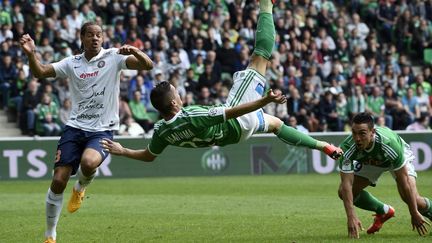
{"points": [[148, 159]]}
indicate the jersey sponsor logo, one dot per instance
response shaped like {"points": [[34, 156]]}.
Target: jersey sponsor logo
{"points": [[214, 160], [77, 58], [89, 75], [88, 116], [101, 64], [357, 166]]}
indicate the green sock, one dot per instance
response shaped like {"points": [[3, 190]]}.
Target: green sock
{"points": [[266, 6], [428, 211], [292, 136], [366, 201], [265, 35]]}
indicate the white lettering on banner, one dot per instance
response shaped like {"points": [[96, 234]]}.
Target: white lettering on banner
{"points": [[427, 158], [103, 168], [38, 165], [33, 159], [318, 166], [13, 161]]}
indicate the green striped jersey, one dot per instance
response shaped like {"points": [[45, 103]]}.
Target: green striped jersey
{"points": [[193, 127], [386, 152]]}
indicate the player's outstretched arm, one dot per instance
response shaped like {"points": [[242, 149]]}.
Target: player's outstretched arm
{"points": [[38, 69], [245, 108], [137, 60], [353, 223], [407, 187], [117, 149]]}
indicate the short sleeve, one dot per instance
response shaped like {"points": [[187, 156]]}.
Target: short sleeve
{"points": [[207, 116], [346, 165], [61, 68], [157, 145], [345, 161], [120, 59]]}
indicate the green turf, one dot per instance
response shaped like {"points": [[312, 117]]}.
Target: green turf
{"points": [[291, 208]]}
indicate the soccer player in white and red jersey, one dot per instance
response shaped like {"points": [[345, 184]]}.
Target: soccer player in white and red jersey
{"points": [[368, 152], [94, 84], [233, 122]]}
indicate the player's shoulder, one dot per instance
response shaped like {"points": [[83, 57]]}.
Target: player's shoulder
{"points": [[385, 135], [157, 126], [110, 51]]}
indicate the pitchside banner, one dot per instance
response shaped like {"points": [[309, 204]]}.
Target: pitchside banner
{"points": [[29, 158]]}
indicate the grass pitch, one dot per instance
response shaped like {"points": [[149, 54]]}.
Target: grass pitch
{"points": [[290, 208]]}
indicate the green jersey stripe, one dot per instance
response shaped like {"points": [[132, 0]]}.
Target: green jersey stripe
{"points": [[240, 90], [390, 151]]}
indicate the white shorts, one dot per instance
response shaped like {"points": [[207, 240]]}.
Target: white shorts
{"points": [[372, 173], [249, 85]]}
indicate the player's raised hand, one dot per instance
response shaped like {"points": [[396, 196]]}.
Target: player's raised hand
{"points": [[127, 50], [27, 44], [420, 224], [276, 96], [354, 228], [111, 146]]}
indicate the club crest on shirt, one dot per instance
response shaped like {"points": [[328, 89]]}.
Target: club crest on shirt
{"points": [[101, 64]]}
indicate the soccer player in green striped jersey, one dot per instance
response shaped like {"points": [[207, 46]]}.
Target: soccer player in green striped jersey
{"points": [[235, 121], [368, 152]]}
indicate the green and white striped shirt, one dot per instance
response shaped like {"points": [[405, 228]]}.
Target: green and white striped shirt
{"points": [[386, 152], [194, 127]]}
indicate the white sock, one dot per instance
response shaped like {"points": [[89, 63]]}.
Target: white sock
{"points": [[386, 208], [53, 206], [266, 6], [83, 181]]}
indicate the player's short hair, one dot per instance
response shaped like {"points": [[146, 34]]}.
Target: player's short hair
{"points": [[364, 117], [85, 26], [161, 97]]}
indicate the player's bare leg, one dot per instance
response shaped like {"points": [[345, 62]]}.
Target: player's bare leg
{"points": [[91, 159]]}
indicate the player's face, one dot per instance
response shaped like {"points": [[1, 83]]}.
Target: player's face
{"points": [[92, 39], [363, 135]]}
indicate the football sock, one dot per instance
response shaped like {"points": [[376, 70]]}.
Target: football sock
{"points": [[292, 136], [53, 206], [427, 212], [366, 201], [265, 34], [83, 181]]}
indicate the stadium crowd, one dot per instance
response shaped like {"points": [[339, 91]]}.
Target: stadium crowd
{"points": [[333, 59]]}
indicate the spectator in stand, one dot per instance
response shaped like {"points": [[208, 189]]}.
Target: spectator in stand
{"points": [[139, 112], [328, 113], [410, 103], [48, 115], [375, 106], [31, 99], [387, 16], [8, 75], [64, 112], [133, 40], [421, 123]]}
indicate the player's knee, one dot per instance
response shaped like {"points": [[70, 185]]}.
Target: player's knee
{"points": [[274, 124], [89, 164], [58, 184]]}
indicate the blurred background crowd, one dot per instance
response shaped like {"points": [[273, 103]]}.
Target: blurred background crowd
{"points": [[332, 59]]}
